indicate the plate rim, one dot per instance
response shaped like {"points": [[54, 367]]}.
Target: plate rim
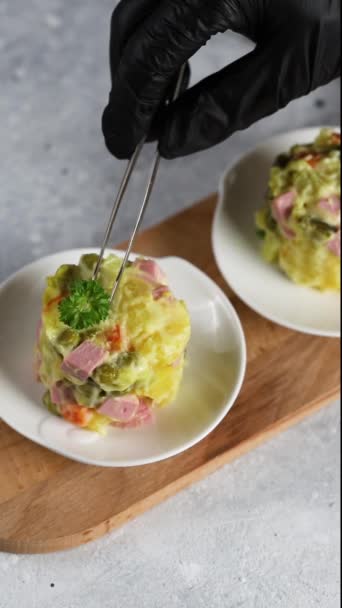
{"points": [[221, 198], [238, 328]]}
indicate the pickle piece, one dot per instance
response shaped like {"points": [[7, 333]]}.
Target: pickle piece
{"points": [[107, 375], [88, 395], [87, 264], [69, 338]]}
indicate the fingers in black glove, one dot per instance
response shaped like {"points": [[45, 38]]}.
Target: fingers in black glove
{"points": [[126, 19], [251, 88], [297, 50], [150, 60]]}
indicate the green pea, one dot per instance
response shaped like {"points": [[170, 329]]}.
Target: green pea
{"points": [[125, 359], [107, 374], [66, 275], [89, 261], [69, 338]]}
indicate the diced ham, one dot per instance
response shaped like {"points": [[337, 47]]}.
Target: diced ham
{"points": [[144, 416], [334, 245], [151, 271], [281, 210], [178, 362], [62, 393], [120, 409], [161, 291], [331, 206], [81, 362]]}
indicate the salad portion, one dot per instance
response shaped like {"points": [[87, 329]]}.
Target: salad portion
{"points": [[110, 364], [300, 225]]}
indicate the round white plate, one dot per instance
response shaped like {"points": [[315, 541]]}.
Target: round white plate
{"points": [[213, 377], [237, 248]]}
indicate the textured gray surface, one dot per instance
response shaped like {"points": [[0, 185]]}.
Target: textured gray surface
{"points": [[57, 181], [262, 533]]}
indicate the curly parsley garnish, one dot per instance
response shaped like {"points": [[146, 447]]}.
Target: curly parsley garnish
{"points": [[87, 305]]}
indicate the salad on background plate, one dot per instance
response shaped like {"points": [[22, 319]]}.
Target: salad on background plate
{"points": [[276, 230], [300, 226]]}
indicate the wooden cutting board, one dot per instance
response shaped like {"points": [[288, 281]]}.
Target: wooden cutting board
{"points": [[49, 503]]}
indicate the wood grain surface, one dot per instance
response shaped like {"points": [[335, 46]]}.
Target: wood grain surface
{"points": [[49, 503]]}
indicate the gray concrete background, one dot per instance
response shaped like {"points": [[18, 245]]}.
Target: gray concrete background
{"points": [[57, 181], [261, 533]]}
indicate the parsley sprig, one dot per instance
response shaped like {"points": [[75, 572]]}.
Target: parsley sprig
{"points": [[87, 305]]}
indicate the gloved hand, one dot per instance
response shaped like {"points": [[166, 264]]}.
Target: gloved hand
{"points": [[297, 49]]}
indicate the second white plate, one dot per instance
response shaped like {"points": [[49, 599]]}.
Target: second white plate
{"points": [[237, 249]]}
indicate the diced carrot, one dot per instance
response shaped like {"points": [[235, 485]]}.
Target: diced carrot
{"points": [[81, 416], [54, 301], [313, 161], [336, 138], [302, 154], [114, 338]]}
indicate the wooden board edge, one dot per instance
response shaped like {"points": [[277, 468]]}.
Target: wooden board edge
{"points": [[203, 471]]}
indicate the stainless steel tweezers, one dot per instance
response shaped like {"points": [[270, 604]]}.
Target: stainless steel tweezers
{"points": [[121, 193]]}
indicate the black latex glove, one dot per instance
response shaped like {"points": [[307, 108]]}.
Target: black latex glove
{"points": [[297, 49]]}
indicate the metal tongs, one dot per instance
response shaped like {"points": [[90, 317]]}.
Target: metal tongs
{"points": [[121, 193]]}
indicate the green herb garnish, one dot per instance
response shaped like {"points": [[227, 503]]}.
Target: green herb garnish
{"points": [[87, 305]]}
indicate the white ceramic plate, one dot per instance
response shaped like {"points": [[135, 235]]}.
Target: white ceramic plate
{"points": [[237, 248], [213, 378]]}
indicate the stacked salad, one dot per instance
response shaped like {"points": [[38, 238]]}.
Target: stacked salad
{"points": [[110, 364], [300, 226]]}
